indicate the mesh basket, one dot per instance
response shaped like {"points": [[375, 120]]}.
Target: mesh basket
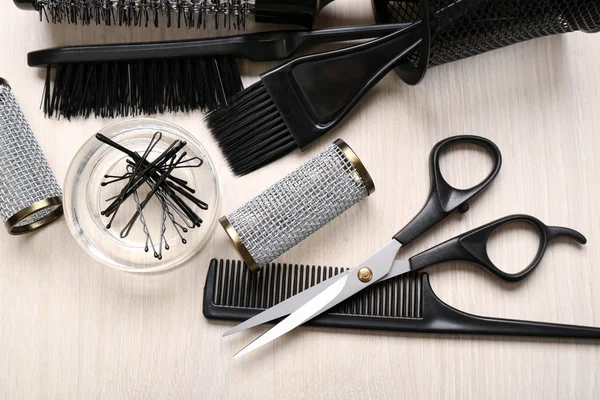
{"points": [[30, 197], [293, 208]]}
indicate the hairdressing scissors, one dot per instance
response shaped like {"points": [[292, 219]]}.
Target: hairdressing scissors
{"points": [[443, 201]]}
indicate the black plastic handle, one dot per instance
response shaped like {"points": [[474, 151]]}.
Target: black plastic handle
{"points": [[472, 247], [444, 199], [260, 46], [297, 12], [314, 93], [26, 5]]}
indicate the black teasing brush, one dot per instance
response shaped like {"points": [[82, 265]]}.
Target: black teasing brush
{"points": [[114, 89], [114, 80]]}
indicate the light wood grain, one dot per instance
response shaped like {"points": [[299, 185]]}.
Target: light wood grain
{"points": [[71, 328]]}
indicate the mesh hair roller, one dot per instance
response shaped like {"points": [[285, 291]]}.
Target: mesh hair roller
{"points": [[298, 205], [30, 197]]}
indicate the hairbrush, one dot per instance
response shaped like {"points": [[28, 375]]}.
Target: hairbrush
{"points": [[406, 303], [299, 204], [194, 13], [30, 196], [297, 102], [192, 74]]}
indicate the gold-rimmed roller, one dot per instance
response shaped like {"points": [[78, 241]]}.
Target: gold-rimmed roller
{"points": [[19, 223], [238, 244], [299, 204], [357, 163]]}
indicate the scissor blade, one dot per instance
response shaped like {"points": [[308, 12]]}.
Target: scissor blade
{"points": [[399, 267], [317, 305], [285, 307], [379, 264]]}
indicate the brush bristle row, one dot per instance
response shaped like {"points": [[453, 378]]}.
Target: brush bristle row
{"points": [[250, 130], [179, 13], [126, 88]]}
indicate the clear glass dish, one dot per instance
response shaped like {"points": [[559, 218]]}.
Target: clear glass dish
{"points": [[84, 198]]}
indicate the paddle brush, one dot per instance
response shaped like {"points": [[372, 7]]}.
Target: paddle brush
{"points": [[147, 78], [297, 102]]}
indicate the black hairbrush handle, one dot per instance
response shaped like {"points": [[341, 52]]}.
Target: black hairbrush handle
{"points": [[472, 247], [297, 12], [25, 5], [262, 46]]}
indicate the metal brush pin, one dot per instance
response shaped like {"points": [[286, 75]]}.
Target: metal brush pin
{"points": [[30, 197], [298, 205]]}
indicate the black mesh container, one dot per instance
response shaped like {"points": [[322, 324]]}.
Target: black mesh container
{"points": [[459, 29]]}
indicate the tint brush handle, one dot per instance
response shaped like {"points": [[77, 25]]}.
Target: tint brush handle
{"points": [[314, 93]]}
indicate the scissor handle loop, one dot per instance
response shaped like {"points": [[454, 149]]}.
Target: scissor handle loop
{"points": [[444, 199], [472, 247]]}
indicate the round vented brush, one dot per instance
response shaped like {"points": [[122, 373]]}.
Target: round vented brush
{"points": [[189, 13], [478, 26], [292, 209]]}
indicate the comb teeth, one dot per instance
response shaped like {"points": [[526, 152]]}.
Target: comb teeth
{"points": [[236, 286], [250, 130]]}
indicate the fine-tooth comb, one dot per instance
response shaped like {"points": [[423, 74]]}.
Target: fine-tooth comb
{"points": [[406, 303]]}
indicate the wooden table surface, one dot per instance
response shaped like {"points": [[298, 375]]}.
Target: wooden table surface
{"points": [[71, 328]]}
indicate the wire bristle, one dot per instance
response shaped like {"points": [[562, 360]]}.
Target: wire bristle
{"points": [[250, 130], [125, 88], [195, 13]]}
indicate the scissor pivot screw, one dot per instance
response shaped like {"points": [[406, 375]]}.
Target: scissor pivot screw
{"points": [[365, 274]]}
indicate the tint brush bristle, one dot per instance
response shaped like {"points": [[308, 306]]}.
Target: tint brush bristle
{"points": [[250, 130], [113, 89]]}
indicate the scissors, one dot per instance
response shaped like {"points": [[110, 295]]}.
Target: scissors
{"points": [[443, 201]]}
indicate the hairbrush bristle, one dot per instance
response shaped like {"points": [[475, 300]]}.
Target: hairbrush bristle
{"points": [[250, 130], [114, 89], [186, 13]]}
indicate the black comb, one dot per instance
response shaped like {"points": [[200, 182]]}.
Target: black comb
{"points": [[405, 303]]}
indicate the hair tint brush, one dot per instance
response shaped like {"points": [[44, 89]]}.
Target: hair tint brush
{"points": [[294, 104], [147, 78]]}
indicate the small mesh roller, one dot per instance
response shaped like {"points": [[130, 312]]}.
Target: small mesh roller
{"points": [[30, 197], [298, 205]]}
